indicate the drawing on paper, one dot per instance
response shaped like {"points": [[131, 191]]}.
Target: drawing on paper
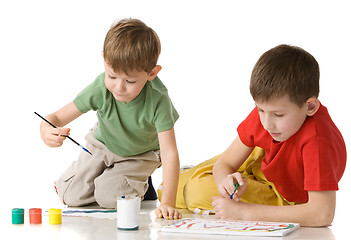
{"points": [[234, 227]]}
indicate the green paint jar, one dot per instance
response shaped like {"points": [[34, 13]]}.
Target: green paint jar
{"points": [[17, 216]]}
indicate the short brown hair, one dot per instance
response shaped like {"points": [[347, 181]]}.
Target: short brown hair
{"points": [[130, 45], [285, 70]]}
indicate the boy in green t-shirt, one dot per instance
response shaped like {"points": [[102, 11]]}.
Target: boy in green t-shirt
{"points": [[134, 130]]}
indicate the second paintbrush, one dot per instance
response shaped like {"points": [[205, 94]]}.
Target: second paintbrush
{"points": [[65, 136], [236, 188]]}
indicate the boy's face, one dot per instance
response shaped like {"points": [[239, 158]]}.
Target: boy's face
{"points": [[281, 117], [125, 88]]}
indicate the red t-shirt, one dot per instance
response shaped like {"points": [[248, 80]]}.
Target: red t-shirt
{"points": [[313, 159]]}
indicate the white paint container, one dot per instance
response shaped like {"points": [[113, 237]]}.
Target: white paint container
{"points": [[128, 211]]}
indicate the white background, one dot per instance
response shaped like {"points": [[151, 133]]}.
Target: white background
{"points": [[50, 50]]}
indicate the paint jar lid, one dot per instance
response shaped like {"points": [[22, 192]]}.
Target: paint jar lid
{"points": [[17, 211], [35, 211]]}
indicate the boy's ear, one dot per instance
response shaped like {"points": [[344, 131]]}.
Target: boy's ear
{"points": [[154, 72], [313, 105]]}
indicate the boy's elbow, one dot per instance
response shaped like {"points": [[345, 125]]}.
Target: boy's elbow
{"points": [[321, 218], [321, 208], [325, 218]]}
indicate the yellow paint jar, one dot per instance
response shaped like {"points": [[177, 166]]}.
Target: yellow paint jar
{"points": [[55, 216]]}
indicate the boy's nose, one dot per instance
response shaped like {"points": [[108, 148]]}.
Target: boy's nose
{"points": [[268, 124], [119, 86]]}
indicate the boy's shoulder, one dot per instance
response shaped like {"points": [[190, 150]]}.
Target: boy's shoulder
{"points": [[320, 125], [100, 79], [96, 88], [92, 97], [156, 85]]}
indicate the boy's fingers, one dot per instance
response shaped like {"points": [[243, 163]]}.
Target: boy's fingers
{"points": [[174, 214], [168, 213], [171, 213], [236, 197], [158, 213], [63, 132], [238, 178], [165, 213], [229, 185], [179, 215]]}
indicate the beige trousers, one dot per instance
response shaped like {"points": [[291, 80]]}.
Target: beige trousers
{"points": [[104, 176]]}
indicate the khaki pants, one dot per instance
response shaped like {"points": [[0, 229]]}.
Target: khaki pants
{"points": [[104, 176]]}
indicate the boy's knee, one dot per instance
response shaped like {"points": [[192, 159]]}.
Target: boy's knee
{"points": [[105, 199], [105, 194], [61, 187], [198, 193], [71, 194], [72, 200], [107, 191]]}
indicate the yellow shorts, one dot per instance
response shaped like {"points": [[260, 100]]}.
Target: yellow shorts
{"points": [[196, 185]]}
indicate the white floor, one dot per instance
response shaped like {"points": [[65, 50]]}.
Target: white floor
{"points": [[78, 228]]}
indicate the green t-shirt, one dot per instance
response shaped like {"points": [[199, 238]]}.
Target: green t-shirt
{"points": [[129, 129]]}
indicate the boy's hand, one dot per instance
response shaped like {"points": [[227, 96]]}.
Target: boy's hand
{"points": [[54, 137], [167, 211], [225, 208], [226, 188]]}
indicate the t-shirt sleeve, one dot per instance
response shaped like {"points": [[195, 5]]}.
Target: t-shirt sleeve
{"points": [[91, 98], [320, 166], [165, 114], [246, 129]]}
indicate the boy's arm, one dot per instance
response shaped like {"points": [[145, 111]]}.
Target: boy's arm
{"points": [[52, 136], [170, 162], [226, 166], [317, 212]]}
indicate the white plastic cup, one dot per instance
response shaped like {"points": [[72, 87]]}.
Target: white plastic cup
{"points": [[128, 212]]}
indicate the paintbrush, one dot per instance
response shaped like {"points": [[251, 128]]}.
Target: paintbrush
{"points": [[236, 188], [64, 135]]}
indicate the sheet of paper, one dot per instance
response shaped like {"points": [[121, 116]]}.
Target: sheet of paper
{"points": [[87, 212], [231, 227]]}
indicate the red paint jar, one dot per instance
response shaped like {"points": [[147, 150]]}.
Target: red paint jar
{"points": [[35, 216]]}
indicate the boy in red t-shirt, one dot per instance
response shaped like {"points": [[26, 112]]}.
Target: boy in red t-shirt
{"points": [[305, 154]]}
